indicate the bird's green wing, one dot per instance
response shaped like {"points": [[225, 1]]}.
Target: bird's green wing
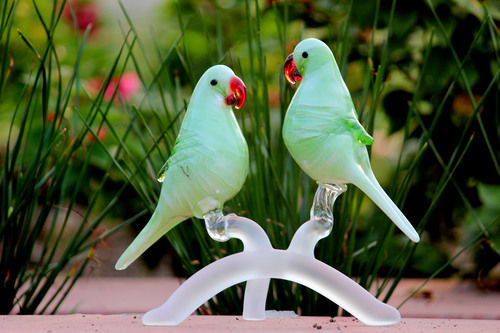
{"points": [[182, 143], [309, 120]]}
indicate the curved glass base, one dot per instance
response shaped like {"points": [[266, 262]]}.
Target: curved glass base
{"points": [[259, 262], [277, 264]]}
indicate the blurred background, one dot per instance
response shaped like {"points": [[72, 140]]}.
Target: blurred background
{"points": [[92, 94]]}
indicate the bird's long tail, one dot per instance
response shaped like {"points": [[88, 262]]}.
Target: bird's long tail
{"points": [[158, 225], [369, 184]]}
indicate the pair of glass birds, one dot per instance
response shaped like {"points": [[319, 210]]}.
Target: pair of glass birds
{"points": [[209, 162]]}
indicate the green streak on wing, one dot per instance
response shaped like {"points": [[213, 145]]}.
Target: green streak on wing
{"points": [[359, 133], [161, 174], [160, 177]]}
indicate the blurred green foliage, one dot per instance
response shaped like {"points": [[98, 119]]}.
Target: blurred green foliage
{"points": [[423, 76]]}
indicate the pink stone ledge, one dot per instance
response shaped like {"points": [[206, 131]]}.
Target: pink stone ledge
{"points": [[446, 298], [80, 323]]}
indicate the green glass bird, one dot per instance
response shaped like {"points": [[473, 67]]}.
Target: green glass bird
{"points": [[322, 132], [209, 161]]}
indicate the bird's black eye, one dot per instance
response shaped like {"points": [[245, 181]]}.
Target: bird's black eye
{"points": [[305, 54], [213, 82]]}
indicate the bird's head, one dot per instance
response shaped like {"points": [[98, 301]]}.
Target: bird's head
{"points": [[309, 54], [221, 82]]}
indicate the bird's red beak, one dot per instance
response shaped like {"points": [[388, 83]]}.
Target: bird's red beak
{"points": [[291, 72], [239, 91]]}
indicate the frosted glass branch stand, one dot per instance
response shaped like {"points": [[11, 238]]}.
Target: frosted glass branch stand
{"points": [[259, 262]]}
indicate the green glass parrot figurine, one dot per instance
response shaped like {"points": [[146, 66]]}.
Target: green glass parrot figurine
{"points": [[322, 132], [209, 161]]}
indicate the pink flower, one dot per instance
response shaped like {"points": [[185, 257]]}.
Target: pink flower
{"points": [[86, 13], [128, 86]]}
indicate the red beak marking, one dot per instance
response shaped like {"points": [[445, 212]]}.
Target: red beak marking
{"points": [[239, 93], [291, 72]]}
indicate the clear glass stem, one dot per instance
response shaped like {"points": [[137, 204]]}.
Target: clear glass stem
{"points": [[321, 223], [324, 199]]}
